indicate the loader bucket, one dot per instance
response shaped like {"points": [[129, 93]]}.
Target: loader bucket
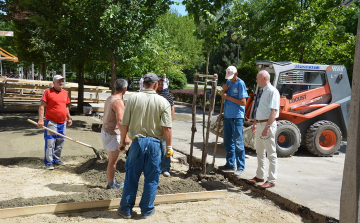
{"points": [[248, 136]]}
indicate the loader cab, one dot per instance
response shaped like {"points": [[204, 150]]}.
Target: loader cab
{"points": [[296, 81]]}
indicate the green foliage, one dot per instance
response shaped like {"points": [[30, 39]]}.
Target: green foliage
{"points": [[177, 80], [300, 31]]}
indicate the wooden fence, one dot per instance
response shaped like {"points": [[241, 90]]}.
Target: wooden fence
{"points": [[26, 94]]}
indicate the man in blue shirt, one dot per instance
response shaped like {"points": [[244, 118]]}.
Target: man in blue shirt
{"points": [[234, 93]]}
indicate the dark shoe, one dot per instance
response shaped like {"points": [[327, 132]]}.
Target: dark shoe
{"points": [[59, 163], [225, 167], [147, 216], [122, 215], [267, 185], [255, 180], [49, 167]]}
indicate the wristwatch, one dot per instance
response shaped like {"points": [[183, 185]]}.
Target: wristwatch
{"points": [[267, 126]]}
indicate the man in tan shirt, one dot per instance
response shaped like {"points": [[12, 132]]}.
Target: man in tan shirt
{"points": [[110, 132]]}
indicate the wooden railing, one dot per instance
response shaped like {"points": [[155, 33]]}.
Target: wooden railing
{"points": [[26, 94]]}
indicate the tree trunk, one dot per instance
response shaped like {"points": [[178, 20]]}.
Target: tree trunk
{"points": [[113, 72], [207, 62], [80, 87], [43, 70]]}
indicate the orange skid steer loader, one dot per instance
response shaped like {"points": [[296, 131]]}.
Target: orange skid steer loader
{"points": [[314, 107]]}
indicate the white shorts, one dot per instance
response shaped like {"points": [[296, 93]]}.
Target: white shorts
{"points": [[110, 142]]}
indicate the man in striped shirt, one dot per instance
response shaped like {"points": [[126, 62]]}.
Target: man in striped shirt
{"points": [[165, 161]]}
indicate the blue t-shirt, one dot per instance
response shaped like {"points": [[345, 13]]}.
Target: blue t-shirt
{"points": [[236, 90]]}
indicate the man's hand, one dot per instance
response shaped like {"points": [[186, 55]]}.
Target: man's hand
{"points": [[40, 123], [225, 87], [69, 122], [265, 132], [224, 95], [122, 146], [169, 151], [127, 140]]}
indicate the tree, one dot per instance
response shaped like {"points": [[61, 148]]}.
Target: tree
{"points": [[300, 31]]}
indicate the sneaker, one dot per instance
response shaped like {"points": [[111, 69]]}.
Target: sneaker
{"points": [[120, 185], [147, 216], [225, 167], [239, 172], [59, 163], [49, 167], [115, 186], [123, 215], [166, 174]]}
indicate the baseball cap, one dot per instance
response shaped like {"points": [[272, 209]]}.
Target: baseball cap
{"points": [[151, 78], [58, 77], [230, 71]]}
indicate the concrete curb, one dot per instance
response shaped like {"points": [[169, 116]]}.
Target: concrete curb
{"points": [[283, 202]]}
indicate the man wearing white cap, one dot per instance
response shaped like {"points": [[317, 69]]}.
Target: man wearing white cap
{"points": [[234, 93], [56, 101]]}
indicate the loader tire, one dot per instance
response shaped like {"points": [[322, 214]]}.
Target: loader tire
{"points": [[323, 138], [288, 138]]}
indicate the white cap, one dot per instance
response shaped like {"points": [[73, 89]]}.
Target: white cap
{"points": [[230, 71], [58, 77]]}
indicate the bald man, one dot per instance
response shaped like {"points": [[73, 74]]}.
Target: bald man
{"points": [[266, 110]]}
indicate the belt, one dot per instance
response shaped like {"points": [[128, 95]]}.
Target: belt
{"points": [[260, 121], [136, 139]]}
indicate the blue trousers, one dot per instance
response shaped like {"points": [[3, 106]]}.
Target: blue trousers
{"points": [[144, 156], [165, 161], [233, 142], [53, 143]]}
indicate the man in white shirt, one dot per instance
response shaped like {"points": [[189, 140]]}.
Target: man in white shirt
{"points": [[166, 83], [266, 110]]}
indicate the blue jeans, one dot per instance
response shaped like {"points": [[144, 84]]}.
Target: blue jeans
{"points": [[165, 161], [233, 142], [144, 156], [53, 143]]}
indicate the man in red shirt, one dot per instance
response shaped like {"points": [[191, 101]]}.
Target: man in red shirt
{"points": [[56, 101]]}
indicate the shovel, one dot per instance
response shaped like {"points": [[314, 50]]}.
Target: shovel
{"points": [[66, 137], [211, 166]]}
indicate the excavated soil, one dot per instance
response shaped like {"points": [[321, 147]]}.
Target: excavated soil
{"points": [[25, 181]]}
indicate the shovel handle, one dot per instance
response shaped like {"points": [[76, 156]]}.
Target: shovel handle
{"points": [[218, 129], [66, 137]]}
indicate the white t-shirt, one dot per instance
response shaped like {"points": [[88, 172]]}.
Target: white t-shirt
{"points": [[141, 82]]}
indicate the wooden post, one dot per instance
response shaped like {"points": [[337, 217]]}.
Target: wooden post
{"points": [[211, 111], [193, 128], [349, 200]]}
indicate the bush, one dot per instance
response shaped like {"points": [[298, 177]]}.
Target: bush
{"points": [[177, 80], [188, 95]]}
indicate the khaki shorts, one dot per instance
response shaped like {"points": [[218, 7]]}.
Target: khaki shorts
{"points": [[110, 142]]}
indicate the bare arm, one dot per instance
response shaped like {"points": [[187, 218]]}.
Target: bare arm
{"points": [[41, 114], [241, 101], [167, 134], [124, 129], [118, 107], [172, 112], [69, 120]]}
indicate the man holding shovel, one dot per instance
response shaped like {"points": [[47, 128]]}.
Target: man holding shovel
{"points": [[110, 132], [234, 93], [56, 101]]}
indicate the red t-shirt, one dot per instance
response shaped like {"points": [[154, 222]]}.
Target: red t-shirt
{"points": [[56, 102]]}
